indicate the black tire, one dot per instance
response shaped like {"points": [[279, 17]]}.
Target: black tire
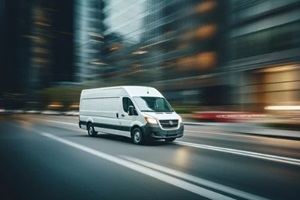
{"points": [[170, 139], [137, 136], [90, 129]]}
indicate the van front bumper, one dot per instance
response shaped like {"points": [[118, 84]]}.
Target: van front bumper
{"points": [[155, 132]]}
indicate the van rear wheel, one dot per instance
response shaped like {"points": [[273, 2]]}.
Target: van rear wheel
{"points": [[137, 136], [91, 130]]}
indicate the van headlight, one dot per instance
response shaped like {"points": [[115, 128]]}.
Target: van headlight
{"points": [[151, 120], [180, 120]]}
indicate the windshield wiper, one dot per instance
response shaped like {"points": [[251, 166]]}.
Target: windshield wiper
{"points": [[147, 110]]}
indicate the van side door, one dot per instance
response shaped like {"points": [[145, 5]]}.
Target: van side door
{"points": [[104, 112]]}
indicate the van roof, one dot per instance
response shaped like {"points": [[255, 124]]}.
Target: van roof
{"points": [[122, 90]]}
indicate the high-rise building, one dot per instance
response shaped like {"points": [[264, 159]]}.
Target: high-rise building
{"points": [[124, 28], [172, 45], [88, 31], [14, 25], [37, 48], [264, 58]]}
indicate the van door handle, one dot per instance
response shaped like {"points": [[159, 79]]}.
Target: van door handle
{"points": [[123, 115], [117, 115]]}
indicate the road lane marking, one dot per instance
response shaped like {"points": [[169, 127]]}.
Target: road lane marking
{"points": [[192, 131], [144, 170], [281, 159], [59, 122], [195, 179]]}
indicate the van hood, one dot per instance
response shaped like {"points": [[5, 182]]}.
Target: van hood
{"points": [[162, 115]]}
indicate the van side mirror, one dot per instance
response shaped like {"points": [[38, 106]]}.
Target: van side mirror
{"points": [[131, 110]]}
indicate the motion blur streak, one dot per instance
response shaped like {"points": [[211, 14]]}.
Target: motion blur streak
{"points": [[291, 161], [196, 179], [144, 170]]}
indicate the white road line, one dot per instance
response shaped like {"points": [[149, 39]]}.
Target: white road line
{"points": [[73, 124], [227, 150], [195, 179], [144, 170], [58, 122], [244, 153]]}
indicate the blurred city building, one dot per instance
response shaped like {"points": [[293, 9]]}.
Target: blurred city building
{"points": [[213, 54], [36, 47], [176, 46], [14, 56], [207, 53], [88, 31], [264, 60]]}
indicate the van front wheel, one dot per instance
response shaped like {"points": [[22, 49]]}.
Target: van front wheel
{"points": [[91, 130], [137, 136]]}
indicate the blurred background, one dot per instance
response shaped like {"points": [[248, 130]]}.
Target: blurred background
{"points": [[208, 57]]}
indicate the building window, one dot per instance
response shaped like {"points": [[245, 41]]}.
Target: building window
{"points": [[270, 40]]}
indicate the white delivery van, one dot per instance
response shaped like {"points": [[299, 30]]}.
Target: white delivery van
{"points": [[137, 112]]}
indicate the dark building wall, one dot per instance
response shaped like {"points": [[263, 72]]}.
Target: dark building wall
{"points": [[14, 55], [62, 22], [36, 38], [19, 30], [9, 47]]}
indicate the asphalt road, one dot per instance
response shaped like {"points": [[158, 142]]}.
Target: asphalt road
{"points": [[49, 157]]}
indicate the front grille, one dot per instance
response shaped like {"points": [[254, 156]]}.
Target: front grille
{"points": [[169, 123]]}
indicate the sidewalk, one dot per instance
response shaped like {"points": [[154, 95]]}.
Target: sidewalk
{"points": [[250, 128]]}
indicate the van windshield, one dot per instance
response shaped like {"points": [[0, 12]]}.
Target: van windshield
{"points": [[153, 104]]}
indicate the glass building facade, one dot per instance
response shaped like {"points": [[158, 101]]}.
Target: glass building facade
{"points": [[172, 45], [197, 52], [88, 36], [167, 39], [265, 52]]}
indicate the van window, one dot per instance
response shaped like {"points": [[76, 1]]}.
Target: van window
{"points": [[126, 103], [153, 104]]}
